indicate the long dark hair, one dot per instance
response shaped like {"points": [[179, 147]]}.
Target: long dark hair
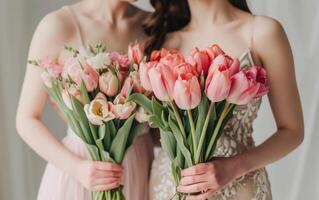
{"points": [[172, 15]]}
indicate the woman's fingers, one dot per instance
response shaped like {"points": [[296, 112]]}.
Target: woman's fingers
{"points": [[189, 180], [106, 181], [109, 186], [107, 174], [108, 166], [198, 187], [205, 195], [195, 170]]}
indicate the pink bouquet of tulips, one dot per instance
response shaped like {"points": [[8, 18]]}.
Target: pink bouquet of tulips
{"points": [[194, 98], [92, 89]]}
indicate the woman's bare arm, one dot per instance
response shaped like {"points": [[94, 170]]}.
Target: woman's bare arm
{"points": [[272, 47], [49, 39]]}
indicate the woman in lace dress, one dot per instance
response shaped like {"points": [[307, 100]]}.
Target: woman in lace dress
{"points": [[70, 173], [239, 174]]}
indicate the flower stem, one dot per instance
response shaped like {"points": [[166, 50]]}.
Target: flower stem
{"points": [[203, 133], [178, 118], [216, 130], [191, 123]]}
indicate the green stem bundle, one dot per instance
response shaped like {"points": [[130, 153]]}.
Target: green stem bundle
{"points": [[192, 125], [216, 129], [203, 133]]}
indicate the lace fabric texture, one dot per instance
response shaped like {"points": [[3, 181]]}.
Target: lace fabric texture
{"points": [[236, 138]]}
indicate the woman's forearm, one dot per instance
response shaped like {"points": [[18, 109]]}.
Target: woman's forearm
{"points": [[274, 148], [39, 138]]}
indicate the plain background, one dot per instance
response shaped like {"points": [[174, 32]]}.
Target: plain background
{"points": [[293, 178]]}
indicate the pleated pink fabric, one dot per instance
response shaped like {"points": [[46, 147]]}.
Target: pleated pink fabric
{"points": [[57, 185]]}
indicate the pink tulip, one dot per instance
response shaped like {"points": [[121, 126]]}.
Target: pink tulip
{"points": [[71, 90], [232, 65], [162, 81], [109, 83], [184, 68], [73, 69], [218, 81], [121, 108], [90, 78], [200, 59], [122, 60], [171, 58], [74, 91], [132, 81], [262, 79], [143, 74], [214, 51], [187, 92], [248, 84], [156, 55], [136, 53]]}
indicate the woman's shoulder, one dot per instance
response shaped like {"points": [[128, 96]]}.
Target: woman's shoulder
{"points": [[268, 32], [266, 26], [57, 23], [53, 31]]}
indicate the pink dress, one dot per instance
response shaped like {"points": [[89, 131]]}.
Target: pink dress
{"points": [[57, 185]]}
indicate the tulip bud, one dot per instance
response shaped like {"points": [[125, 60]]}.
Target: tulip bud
{"points": [[218, 82], [200, 59], [109, 83], [143, 74], [162, 81], [121, 108], [248, 84], [187, 92], [214, 51], [136, 53]]}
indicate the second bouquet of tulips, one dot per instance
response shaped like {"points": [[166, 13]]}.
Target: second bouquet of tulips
{"points": [[91, 89], [193, 99]]}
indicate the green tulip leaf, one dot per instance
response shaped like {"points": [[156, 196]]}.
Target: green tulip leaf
{"points": [[135, 131], [141, 100], [118, 146], [180, 142], [77, 108], [168, 143], [84, 93]]}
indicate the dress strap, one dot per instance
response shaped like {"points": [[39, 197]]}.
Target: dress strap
{"points": [[76, 23], [252, 32]]}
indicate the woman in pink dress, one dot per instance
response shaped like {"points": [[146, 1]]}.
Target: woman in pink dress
{"points": [[70, 174]]}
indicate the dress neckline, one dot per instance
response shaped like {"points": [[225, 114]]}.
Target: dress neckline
{"points": [[247, 55]]}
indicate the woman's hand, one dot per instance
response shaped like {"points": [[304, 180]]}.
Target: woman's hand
{"points": [[202, 180], [98, 176]]}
